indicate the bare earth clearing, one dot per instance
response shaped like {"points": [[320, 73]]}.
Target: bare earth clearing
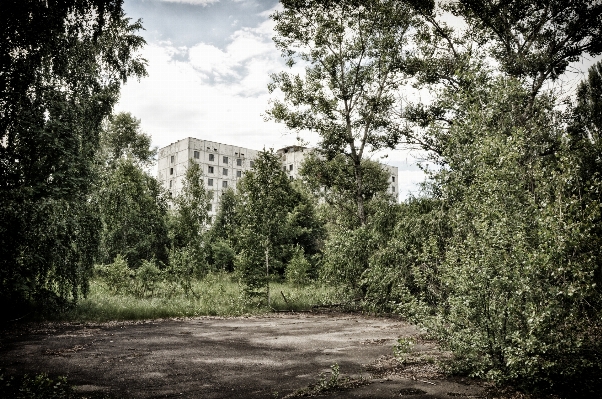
{"points": [[257, 357]]}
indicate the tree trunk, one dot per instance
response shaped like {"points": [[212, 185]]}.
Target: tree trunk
{"points": [[359, 194], [267, 273]]}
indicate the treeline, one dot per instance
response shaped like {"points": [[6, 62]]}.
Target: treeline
{"points": [[499, 256]]}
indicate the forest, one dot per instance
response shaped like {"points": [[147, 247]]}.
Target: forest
{"points": [[498, 257]]}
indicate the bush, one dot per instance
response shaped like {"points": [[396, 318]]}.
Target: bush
{"points": [[298, 269], [35, 387], [223, 256], [117, 275], [347, 254], [148, 278]]}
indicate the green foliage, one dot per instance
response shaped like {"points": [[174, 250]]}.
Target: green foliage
{"points": [[117, 275], [404, 272], [535, 40], [505, 252], [183, 269], [403, 347], [265, 198], [225, 223], [355, 62], [123, 138], [332, 382], [520, 272], [223, 256], [346, 255], [59, 78], [190, 216], [298, 269], [35, 387], [133, 210], [334, 182], [218, 294], [148, 279]]}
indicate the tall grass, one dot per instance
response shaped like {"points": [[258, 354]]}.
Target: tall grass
{"points": [[218, 294]]}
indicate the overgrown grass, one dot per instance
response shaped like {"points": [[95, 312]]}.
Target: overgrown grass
{"points": [[218, 294]]}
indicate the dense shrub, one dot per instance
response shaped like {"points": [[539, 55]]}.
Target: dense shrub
{"points": [[298, 269], [117, 275], [223, 256]]}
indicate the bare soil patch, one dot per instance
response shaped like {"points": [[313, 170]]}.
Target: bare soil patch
{"points": [[255, 357]]}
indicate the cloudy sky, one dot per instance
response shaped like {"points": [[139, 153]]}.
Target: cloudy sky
{"points": [[209, 63]]}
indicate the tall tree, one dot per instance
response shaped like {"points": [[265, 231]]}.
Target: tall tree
{"points": [[265, 197], [123, 138], [535, 40], [224, 225], [133, 210], [189, 219], [61, 66], [132, 204], [355, 54]]}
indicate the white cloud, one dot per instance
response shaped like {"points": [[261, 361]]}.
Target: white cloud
{"points": [[175, 101], [211, 61], [216, 93]]}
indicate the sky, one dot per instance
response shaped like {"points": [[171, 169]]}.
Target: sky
{"points": [[209, 63]]}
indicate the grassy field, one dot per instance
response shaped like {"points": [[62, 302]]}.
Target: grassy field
{"points": [[217, 294]]}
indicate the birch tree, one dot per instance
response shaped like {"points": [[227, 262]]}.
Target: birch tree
{"points": [[355, 56]]}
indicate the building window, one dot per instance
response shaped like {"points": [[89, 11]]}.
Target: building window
{"points": [[284, 168], [210, 169], [196, 155], [225, 159], [225, 184], [210, 182], [211, 157], [170, 183], [290, 177], [172, 158], [242, 155], [393, 179], [392, 189], [290, 167], [209, 207], [238, 173], [171, 171], [239, 162], [225, 172]]}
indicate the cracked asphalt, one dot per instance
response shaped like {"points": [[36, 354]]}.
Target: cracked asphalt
{"points": [[209, 357]]}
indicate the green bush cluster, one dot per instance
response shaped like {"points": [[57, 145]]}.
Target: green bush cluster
{"points": [[39, 386], [149, 280]]}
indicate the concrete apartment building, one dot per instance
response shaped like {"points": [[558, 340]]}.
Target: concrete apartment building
{"points": [[224, 164]]}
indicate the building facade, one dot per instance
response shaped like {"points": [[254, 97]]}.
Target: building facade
{"points": [[223, 165]]}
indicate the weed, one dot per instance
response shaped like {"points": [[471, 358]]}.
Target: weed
{"points": [[35, 387], [403, 348], [331, 383], [217, 294]]}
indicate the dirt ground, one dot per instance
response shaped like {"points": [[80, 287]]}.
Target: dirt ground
{"points": [[256, 357]]}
